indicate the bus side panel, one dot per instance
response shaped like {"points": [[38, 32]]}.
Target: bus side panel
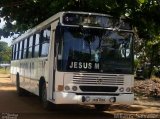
{"points": [[34, 79], [13, 72], [33, 72]]}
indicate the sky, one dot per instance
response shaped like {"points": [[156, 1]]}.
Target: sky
{"points": [[9, 39]]}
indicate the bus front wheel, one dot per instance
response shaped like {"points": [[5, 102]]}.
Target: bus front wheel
{"points": [[101, 107], [45, 103]]}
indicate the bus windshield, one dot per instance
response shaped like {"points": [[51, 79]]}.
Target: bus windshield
{"points": [[95, 50]]}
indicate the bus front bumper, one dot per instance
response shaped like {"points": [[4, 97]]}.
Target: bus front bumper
{"points": [[72, 98]]}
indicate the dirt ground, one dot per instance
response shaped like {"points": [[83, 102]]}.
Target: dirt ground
{"points": [[29, 107]]}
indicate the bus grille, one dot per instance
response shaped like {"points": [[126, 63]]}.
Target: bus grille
{"points": [[98, 79], [98, 88]]}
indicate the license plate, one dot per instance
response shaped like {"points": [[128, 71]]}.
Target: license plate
{"points": [[99, 100]]}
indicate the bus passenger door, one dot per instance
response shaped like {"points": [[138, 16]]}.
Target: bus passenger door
{"points": [[52, 61]]}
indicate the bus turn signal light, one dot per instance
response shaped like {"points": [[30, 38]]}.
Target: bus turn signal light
{"points": [[60, 88]]}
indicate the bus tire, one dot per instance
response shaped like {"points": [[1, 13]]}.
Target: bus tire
{"points": [[101, 107], [45, 103], [20, 91]]}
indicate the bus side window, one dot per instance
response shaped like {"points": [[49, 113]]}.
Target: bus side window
{"points": [[40, 43], [22, 49], [45, 39], [25, 49], [46, 35], [33, 45], [36, 45], [13, 52], [17, 50], [30, 47], [15, 46]]}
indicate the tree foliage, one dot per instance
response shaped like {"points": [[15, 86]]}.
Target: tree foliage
{"points": [[5, 52]]}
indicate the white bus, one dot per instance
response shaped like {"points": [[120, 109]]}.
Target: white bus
{"points": [[76, 58]]}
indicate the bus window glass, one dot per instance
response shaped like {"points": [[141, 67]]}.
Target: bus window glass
{"points": [[22, 49], [97, 50], [24, 53], [20, 45], [30, 47], [25, 49], [36, 47], [48, 32], [25, 43], [17, 51], [45, 48], [20, 52], [31, 41], [45, 38], [15, 47], [37, 39], [89, 20], [12, 53], [46, 35]]}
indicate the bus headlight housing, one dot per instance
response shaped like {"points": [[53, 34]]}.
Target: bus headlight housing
{"points": [[74, 88], [60, 87], [121, 89], [128, 89], [67, 88]]}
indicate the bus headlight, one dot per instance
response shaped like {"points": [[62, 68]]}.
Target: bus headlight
{"points": [[60, 88], [121, 89], [128, 89], [74, 88], [67, 88]]}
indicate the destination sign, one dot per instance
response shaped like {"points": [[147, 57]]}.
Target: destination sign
{"points": [[94, 21]]}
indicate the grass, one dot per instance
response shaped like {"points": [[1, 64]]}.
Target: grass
{"points": [[4, 71]]}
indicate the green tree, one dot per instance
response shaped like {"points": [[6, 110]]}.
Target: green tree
{"points": [[5, 52]]}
